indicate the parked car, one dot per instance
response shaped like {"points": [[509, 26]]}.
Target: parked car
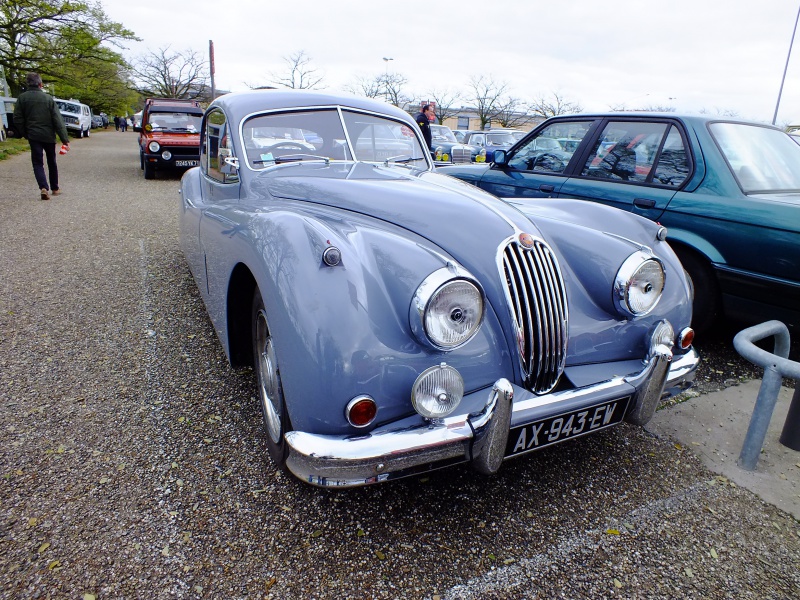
{"points": [[169, 134], [486, 142], [728, 191], [97, 121], [390, 338], [447, 149], [7, 118], [77, 116], [459, 134]]}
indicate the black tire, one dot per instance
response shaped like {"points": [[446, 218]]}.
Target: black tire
{"points": [[707, 299], [88, 131], [149, 170], [270, 389], [141, 160]]}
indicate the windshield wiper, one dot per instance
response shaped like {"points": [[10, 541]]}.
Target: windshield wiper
{"points": [[401, 159], [293, 158]]}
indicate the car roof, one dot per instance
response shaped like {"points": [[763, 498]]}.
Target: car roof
{"points": [[694, 119], [240, 104]]}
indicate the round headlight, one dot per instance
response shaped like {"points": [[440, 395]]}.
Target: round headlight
{"points": [[437, 392], [166, 155], [153, 147], [639, 284], [447, 309]]}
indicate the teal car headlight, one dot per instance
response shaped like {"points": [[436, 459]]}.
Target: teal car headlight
{"points": [[639, 284], [447, 309]]}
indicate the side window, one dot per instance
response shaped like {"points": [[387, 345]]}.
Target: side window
{"points": [[552, 148], [628, 151], [478, 140], [673, 163], [216, 147]]}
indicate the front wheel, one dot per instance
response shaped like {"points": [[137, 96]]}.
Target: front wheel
{"points": [[707, 301], [88, 131], [270, 389], [149, 170]]}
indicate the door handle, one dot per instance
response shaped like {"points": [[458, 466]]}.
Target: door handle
{"points": [[546, 187], [644, 202]]}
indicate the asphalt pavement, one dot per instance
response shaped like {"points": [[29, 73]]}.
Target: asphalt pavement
{"points": [[133, 463]]}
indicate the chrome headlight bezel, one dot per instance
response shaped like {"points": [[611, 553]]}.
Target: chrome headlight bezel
{"points": [[154, 147], [639, 284], [426, 299]]}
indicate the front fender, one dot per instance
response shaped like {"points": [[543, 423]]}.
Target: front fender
{"points": [[343, 331]]}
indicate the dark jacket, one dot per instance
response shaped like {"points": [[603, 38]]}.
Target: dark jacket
{"points": [[37, 118], [425, 126]]}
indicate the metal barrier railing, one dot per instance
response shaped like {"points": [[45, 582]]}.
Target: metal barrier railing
{"points": [[776, 366]]}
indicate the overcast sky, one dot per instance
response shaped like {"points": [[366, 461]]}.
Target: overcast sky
{"points": [[695, 55]]}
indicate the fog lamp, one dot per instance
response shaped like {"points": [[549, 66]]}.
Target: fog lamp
{"points": [[663, 335], [437, 392], [166, 155]]}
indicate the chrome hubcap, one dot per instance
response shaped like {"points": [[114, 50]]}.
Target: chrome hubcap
{"points": [[269, 386]]}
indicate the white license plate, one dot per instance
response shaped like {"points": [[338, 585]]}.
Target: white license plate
{"points": [[185, 163], [562, 427]]}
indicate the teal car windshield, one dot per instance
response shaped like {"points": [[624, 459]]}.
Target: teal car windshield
{"points": [[762, 159]]}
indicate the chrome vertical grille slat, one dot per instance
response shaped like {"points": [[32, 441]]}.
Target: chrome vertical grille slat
{"points": [[538, 302]]}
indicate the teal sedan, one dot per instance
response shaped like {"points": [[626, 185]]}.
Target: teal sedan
{"points": [[728, 191]]}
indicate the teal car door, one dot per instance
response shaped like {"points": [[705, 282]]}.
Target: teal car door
{"points": [[634, 165], [540, 166]]}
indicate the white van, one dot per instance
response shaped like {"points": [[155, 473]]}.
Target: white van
{"points": [[77, 116], [7, 118]]}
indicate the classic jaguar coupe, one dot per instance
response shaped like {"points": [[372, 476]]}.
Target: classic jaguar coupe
{"points": [[399, 320]]}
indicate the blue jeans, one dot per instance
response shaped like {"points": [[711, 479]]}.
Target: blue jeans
{"points": [[37, 160]]}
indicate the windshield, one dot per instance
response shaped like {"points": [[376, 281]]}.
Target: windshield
{"points": [[500, 139], [762, 159], [441, 133], [320, 134], [68, 106], [174, 121]]}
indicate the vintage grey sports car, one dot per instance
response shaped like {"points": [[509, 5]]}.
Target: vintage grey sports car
{"points": [[399, 320]]}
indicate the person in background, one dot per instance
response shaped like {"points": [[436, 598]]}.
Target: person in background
{"points": [[423, 119], [116, 122], [37, 118], [123, 123]]}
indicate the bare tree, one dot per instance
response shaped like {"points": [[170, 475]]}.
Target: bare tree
{"points": [[512, 113], [720, 112], [168, 74], [371, 87], [445, 104], [487, 97], [298, 75], [393, 89], [553, 106]]}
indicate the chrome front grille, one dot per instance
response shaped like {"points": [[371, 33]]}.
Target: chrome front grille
{"points": [[538, 302], [461, 155]]}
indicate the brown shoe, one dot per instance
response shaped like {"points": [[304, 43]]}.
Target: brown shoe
{"points": [[45, 194], [56, 192]]}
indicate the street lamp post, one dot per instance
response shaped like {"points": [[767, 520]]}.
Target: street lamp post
{"points": [[386, 60], [783, 79]]}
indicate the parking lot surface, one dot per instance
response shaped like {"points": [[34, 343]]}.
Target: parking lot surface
{"points": [[133, 464]]}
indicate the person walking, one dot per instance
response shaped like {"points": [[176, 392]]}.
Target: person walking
{"points": [[423, 119], [123, 123], [37, 118], [116, 122]]}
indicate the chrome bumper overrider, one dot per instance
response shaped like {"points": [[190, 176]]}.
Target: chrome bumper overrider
{"points": [[479, 437]]}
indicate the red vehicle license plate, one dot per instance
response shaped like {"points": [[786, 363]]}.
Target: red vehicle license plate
{"points": [[563, 427], [185, 163]]}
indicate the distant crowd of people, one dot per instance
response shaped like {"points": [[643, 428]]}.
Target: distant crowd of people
{"points": [[121, 123]]}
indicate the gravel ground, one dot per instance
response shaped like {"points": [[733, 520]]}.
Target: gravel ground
{"points": [[133, 464]]}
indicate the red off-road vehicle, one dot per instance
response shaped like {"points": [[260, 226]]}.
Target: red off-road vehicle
{"points": [[169, 134]]}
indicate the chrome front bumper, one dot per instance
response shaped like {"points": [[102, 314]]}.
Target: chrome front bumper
{"points": [[397, 451]]}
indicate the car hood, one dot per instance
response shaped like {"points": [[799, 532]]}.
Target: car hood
{"points": [[465, 222]]}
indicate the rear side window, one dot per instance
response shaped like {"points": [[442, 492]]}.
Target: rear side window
{"points": [[639, 152]]}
